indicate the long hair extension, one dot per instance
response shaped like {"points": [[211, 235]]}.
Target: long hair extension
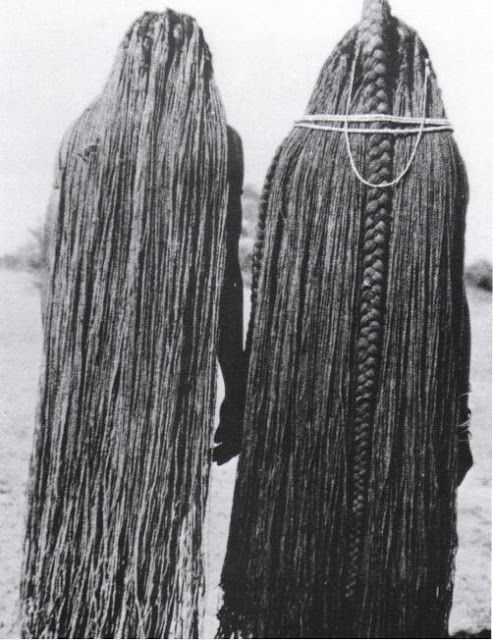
{"points": [[121, 460], [343, 521]]}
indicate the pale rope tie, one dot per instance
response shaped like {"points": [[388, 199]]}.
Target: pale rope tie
{"points": [[423, 125]]}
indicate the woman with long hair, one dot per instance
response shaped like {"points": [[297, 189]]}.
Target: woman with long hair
{"points": [[143, 291], [355, 427]]}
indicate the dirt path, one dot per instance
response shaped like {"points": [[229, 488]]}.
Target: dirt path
{"points": [[20, 346]]}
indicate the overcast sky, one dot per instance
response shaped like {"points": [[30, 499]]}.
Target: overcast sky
{"points": [[56, 54]]}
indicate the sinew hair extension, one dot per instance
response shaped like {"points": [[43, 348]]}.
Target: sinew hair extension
{"points": [[343, 520], [121, 460]]}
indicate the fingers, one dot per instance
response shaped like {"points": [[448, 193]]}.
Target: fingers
{"points": [[230, 423], [465, 462], [225, 452], [228, 434], [221, 432]]}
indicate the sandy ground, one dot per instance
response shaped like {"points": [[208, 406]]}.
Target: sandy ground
{"points": [[20, 346]]}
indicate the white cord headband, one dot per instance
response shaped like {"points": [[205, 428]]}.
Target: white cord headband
{"points": [[373, 117], [322, 122], [395, 132]]}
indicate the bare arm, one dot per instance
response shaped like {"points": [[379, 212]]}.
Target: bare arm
{"points": [[230, 348], [464, 455], [465, 460]]}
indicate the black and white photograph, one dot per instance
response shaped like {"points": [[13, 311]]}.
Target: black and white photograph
{"points": [[245, 319]]}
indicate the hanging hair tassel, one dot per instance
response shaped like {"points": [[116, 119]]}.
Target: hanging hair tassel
{"points": [[343, 521], [121, 459]]}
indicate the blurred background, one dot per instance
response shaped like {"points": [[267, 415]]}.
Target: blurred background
{"points": [[54, 60]]}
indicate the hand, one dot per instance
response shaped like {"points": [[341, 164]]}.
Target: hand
{"points": [[464, 460], [228, 433]]}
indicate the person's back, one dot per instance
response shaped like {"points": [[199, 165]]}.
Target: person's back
{"points": [[138, 247], [343, 519]]}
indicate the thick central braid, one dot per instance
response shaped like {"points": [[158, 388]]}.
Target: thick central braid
{"points": [[258, 250], [376, 225]]}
